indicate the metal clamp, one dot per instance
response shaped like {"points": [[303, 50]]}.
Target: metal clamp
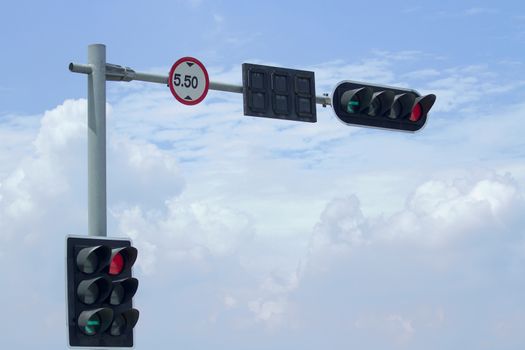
{"points": [[115, 72]]}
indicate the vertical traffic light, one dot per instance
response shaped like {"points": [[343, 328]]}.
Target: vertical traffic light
{"points": [[100, 288], [387, 107]]}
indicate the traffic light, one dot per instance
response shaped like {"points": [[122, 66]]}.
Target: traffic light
{"points": [[280, 93], [100, 288], [387, 107]]}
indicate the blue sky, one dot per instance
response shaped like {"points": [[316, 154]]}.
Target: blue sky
{"points": [[269, 234]]}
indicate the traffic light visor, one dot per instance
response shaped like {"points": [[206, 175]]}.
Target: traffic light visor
{"points": [[96, 321], [93, 259], [124, 322], [426, 103], [402, 106], [381, 103], [94, 290], [122, 259], [123, 291], [354, 101]]}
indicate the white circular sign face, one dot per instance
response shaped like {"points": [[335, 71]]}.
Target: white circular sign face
{"points": [[188, 81]]}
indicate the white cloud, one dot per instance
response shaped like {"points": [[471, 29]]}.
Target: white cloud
{"points": [[408, 55], [218, 18], [230, 301], [183, 232], [423, 74], [21, 202], [404, 327], [373, 70], [16, 135], [450, 209], [437, 212], [42, 175], [480, 11], [269, 311], [461, 87]]}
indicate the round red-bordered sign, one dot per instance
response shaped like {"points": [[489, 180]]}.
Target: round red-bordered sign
{"points": [[189, 81]]}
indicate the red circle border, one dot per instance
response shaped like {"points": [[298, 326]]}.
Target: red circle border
{"points": [[170, 80]]}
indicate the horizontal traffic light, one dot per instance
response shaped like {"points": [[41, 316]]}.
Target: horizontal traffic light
{"points": [[100, 289], [387, 107]]}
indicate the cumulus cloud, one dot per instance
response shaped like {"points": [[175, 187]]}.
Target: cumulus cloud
{"points": [[438, 213], [269, 311], [45, 174], [445, 213], [184, 232], [342, 224], [417, 264]]}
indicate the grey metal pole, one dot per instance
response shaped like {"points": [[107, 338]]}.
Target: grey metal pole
{"points": [[97, 141]]}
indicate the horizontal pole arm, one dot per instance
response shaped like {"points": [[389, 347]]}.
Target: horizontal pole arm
{"points": [[80, 68], [323, 100], [119, 73], [225, 87], [152, 78]]}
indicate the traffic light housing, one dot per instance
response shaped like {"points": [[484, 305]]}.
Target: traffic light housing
{"points": [[100, 288], [387, 107], [280, 93]]}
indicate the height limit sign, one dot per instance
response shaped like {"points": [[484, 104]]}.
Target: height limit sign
{"points": [[189, 81]]}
